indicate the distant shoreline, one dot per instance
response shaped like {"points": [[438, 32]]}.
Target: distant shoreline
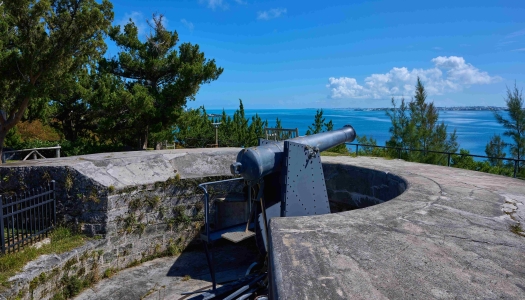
{"points": [[452, 108]]}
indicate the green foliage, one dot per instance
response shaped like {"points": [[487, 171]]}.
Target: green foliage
{"points": [[368, 150], [158, 77], [515, 126], [415, 126], [516, 229], [496, 148], [464, 161], [42, 44], [153, 201], [108, 273], [239, 131], [319, 125], [194, 129], [62, 240], [72, 285], [173, 249], [141, 227], [181, 217], [129, 223], [69, 109]]}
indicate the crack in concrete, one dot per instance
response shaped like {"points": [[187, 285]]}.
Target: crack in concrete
{"points": [[439, 185], [483, 242]]}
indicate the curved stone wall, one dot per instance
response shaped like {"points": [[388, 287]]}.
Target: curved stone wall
{"points": [[352, 187], [452, 234]]}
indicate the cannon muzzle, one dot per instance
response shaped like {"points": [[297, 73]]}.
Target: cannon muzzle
{"points": [[256, 162]]}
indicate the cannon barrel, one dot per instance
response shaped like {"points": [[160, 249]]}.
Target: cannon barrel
{"points": [[255, 162]]}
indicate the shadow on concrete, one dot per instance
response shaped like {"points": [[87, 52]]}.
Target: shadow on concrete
{"points": [[230, 260]]}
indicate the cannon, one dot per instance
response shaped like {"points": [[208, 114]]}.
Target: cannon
{"points": [[281, 179], [256, 162], [289, 176]]}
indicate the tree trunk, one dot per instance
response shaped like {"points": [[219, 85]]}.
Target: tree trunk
{"points": [[145, 145], [3, 134], [6, 123]]}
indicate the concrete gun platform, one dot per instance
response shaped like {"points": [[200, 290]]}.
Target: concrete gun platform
{"points": [[452, 234]]}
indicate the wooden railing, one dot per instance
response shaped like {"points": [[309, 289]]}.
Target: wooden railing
{"points": [[7, 155]]}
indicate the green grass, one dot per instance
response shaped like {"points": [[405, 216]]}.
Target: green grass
{"points": [[62, 240], [327, 153], [516, 229]]}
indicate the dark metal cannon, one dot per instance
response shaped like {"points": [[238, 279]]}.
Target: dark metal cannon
{"points": [[256, 162], [289, 175], [282, 179]]}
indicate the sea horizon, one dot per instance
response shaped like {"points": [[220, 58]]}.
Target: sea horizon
{"points": [[474, 128]]}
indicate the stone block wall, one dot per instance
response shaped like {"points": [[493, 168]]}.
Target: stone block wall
{"points": [[129, 223]]}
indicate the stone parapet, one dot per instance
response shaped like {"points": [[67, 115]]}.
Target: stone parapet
{"points": [[452, 234]]}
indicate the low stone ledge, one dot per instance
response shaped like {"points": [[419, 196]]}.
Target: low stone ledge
{"points": [[48, 275], [139, 204], [452, 234]]}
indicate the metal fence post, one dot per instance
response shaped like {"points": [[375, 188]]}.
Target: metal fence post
{"points": [[515, 168], [54, 204], [356, 149], [2, 236], [399, 152], [58, 151], [448, 161]]}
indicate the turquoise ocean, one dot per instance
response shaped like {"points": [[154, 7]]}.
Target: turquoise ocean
{"points": [[474, 128]]}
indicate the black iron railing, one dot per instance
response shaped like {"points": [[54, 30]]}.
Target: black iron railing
{"points": [[516, 162], [26, 218]]}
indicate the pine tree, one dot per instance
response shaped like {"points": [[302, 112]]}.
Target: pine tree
{"points": [[496, 148], [515, 126], [42, 43], [318, 124], [415, 126], [160, 76]]}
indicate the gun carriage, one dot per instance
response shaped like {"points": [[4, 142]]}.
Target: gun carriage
{"points": [[281, 179]]}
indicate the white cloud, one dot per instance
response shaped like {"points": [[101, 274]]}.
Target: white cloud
{"points": [[164, 21], [240, 2], [515, 34], [520, 49], [270, 14], [187, 24], [142, 24], [137, 18], [449, 74], [215, 4]]}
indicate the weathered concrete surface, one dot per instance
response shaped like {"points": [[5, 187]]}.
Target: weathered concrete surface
{"points": [[167, 278], [122, 169], [448, 236]]}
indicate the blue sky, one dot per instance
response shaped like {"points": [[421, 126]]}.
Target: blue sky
{"points": [[323, 54]]}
